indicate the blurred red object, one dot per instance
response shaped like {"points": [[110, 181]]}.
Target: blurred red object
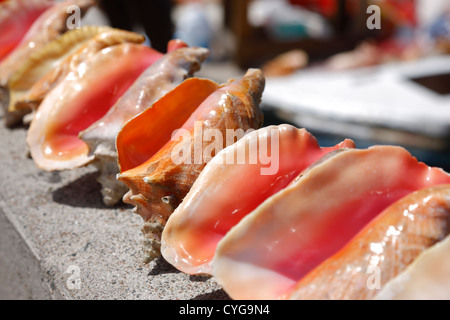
{"points": [[399, 12], [327, 8]]}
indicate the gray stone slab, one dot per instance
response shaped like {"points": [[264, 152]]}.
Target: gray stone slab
{"points": [[58, 240]]}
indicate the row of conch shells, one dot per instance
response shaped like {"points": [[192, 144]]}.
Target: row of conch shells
{"points": [[270, 214], [161, 77], [56, 89], [97, 95], [332, 223]]}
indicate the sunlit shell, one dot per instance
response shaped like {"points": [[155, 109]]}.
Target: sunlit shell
{"points": [[50, 59], [161, 77], [83, 97], [103, 40], [294, 231], [233, 184], [107, 38], [146, 147], [48, 27]]}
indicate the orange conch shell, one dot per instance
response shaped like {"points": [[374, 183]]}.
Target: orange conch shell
{"points": [[298, 228], [146, 151], [165, 74], [234, 183]]}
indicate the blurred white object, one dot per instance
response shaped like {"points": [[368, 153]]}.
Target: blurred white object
{"points": [[285, 21], [201, 24], [428, 11], [353, 102], [192, 25]]}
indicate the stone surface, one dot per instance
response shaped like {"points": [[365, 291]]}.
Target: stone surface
{"points": [[58, 240]]}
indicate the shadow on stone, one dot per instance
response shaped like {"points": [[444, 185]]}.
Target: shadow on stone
{"points": [[51, 177], [83, 192], [215, 295], [162, 266], [199, 278]]}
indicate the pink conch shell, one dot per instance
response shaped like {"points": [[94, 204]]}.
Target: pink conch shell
{"points": [[161, 77], [427, 278], [16, 17], [82, 98], [295, 230], [228, 190], [106, 38], [49, 65], [146, 145], [48, 27], [382, 249]]}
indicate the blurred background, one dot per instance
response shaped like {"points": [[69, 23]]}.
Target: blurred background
{"points": [[339, 68]]}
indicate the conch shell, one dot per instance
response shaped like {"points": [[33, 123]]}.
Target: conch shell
{"points": [[161, 77], [83, 97], [226, 191], [16, 17], [48, 27], [106, 37], [146, 147], [384, 248], [48, 66], [284, 239]]}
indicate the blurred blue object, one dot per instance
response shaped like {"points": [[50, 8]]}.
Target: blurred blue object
{"points": [[192, 26], [440, 28]]}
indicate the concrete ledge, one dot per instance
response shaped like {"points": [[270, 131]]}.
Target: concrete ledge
{"points": [[58, 240]]}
